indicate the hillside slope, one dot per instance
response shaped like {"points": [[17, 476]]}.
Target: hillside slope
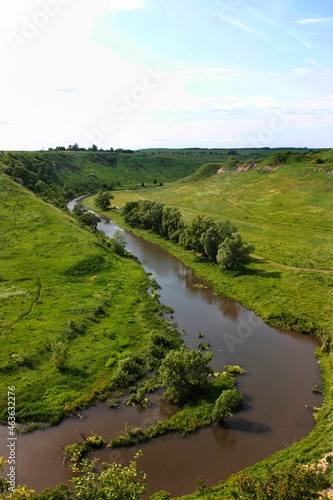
{"points": [[62, 287], [62, 175], [287, 215]]}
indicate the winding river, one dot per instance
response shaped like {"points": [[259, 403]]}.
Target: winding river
{"points": [[277, 389]]}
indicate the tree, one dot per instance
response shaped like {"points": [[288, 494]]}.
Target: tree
{"points": [[210, 241], [153, 214], [233, 254], [228, 401], [115, 482], [193, 233], [172, 223], [102, 200], [292, 481], [79, 209], [185, 374], [214, 236], [89, 219], [119, 242]]}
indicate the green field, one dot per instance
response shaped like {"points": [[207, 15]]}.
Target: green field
{"points": [[64, 290], [287, 215], [60, 283]]}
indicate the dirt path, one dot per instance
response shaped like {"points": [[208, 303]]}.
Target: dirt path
{"points": [[292, 268]]}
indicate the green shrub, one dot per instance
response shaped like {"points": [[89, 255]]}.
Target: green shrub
{"points": [[130, 370], [234, 370], [160, 495], [76, 450], [228, 401]]}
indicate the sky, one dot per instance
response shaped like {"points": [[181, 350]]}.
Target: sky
{"points": [[166, 73]]}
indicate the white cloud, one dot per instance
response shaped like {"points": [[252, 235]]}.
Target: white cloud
{"points": [[244, 27], [301, 71], [315, 20], [299, 38]]}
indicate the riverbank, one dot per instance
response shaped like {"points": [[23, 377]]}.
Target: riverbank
{"points": [[253, 291], [70, 308]]}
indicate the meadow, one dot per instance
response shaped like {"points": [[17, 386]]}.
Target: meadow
{"points": [[287, 214], [69, 309]]}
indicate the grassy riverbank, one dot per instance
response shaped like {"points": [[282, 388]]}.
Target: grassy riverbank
{"points": [[69, 309], [287, 215]]}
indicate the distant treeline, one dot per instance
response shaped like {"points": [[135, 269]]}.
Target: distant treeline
{"points": [[94, 148], [219, 242]]}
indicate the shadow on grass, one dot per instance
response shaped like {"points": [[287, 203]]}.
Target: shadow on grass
{"points": [[262, 274], [76, 372]]}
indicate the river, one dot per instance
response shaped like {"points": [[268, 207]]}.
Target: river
{"points": [[277, 390]]}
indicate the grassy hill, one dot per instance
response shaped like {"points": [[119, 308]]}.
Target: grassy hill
{"points": [[62, 175], [61, 286], [286, 211], [287, 215]]}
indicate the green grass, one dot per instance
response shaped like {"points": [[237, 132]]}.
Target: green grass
{"points": [[287, 215], [59, 282], [188, 419], [75, 173]]}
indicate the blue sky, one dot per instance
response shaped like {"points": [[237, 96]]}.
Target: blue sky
{"points": [[166, 73]]}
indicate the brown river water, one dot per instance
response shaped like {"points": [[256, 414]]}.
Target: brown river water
{"points": [[277, 390]]}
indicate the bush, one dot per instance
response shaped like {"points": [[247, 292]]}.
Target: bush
{"points": [[233, 254], [160, 495], [77, 450], [290, 482], [228, 401], [130, 370], [185, 374]]}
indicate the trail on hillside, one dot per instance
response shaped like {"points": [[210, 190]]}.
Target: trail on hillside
{"points": [[291, 268]]}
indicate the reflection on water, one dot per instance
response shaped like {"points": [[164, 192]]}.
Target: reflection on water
{"points": [[277, 389]]}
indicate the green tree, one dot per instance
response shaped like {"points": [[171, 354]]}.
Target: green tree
{"points": [[210, 241], [172, 223], [185, 373], [290, 482], [119, 242], [152, 215], [228, 401], [214, 236], [102, 200], [79, 209], [89, 219], [194, 232], [115, 482], [233, 254]]}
